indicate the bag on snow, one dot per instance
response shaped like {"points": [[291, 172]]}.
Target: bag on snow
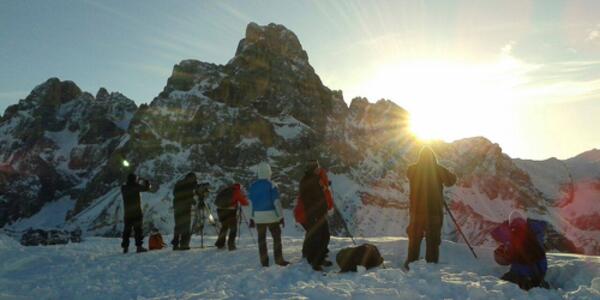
{"points": [[155, 241], [224, 198], [366, 255]]}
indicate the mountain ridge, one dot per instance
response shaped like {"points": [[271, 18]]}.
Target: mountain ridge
{"points": [[266, 104]]}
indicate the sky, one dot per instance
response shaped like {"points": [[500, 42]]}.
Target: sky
{"points": [[524, 74]]}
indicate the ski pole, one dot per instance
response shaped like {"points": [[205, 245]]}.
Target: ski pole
{"points": [[458, 228], [345, 224], [239, 222], [202, 217]]}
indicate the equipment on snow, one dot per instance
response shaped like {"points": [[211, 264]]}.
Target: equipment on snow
{"points": [[155, 241], [366, 255]]}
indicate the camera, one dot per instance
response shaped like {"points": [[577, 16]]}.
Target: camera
{"points": [[202, 189]]}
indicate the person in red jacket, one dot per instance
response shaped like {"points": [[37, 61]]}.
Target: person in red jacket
{"points": [[228, 215], [317, 201], [299, 214]]}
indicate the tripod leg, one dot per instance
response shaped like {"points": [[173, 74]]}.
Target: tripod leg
{"points": [[202, 216]]}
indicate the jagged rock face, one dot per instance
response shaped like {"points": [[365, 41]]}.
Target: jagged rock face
{"points": [[53, 141], [571, 192], [220, 121]]}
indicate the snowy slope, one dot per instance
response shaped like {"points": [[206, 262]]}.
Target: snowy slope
{"points": [[95, 269]]}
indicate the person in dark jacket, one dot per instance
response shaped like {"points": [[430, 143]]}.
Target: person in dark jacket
{"points": [[184, 192], [267, 213], [427, 180], [133, 216], [314, 200], [522, 246], [228, 217]]}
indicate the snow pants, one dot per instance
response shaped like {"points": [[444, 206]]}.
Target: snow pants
{"points": [[228, 220], [262, 242], [134, 223], [432, 233], [526, 283], [316, 241], [182, 233]]}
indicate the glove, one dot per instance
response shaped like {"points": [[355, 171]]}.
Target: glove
{"points": [[251, 225], [282, 222]]}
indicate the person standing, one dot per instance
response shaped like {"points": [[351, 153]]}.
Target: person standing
{"points": [[427, 180], [184, 192], [133, 216], [267, 213], [228, 201], [313, 197]]}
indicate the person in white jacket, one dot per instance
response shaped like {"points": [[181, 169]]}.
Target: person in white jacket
{"points": [[267, 213]]}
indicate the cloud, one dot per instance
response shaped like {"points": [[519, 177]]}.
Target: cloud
{"points": [[594, 34], [508, 48]]}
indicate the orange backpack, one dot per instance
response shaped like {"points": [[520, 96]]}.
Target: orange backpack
{"points": [[155, 242]]}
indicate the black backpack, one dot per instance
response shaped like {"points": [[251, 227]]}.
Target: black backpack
{"points": [[224, 198], [366, 255]]}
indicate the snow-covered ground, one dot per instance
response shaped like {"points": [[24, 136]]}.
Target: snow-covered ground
{"points": [[95, 269]]}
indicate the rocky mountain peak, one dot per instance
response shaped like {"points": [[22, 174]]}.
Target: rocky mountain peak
{"points": [[589, 156], [273, 39], [102, 94], [55, 92]]}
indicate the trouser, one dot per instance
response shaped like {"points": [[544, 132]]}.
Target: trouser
{"points": [[305, 227], [182, 232], [432, 234], [525, 283], [134, 223], [262, 242], [316, 241], [228, 220]]}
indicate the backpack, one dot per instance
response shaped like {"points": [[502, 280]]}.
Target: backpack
{"points": [[155, 242], [366, 255], [223, 199]]}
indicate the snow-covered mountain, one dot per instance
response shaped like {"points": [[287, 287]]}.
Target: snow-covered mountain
{"points": [[62, 150]]}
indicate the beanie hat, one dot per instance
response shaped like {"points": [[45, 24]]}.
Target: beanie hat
{"points": [[264, 171], [516, 218]]}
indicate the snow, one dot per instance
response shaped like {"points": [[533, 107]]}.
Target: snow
{"points": [[288, 127], [65, 140], [52, 215], [95, 269]]}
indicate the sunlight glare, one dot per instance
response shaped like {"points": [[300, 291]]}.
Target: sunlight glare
{"points": [[446, 99]]}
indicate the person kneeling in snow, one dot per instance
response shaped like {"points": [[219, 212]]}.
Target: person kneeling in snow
{"points": [[267, 213], [522, 246]]}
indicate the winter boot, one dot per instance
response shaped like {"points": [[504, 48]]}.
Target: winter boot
{"points": [[141, 249], [327, 263], [231, 247], [282, 262], [317, 268], [125, 250]]}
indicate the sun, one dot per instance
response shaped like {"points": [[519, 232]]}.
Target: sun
{"points": [[448, 100]]}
